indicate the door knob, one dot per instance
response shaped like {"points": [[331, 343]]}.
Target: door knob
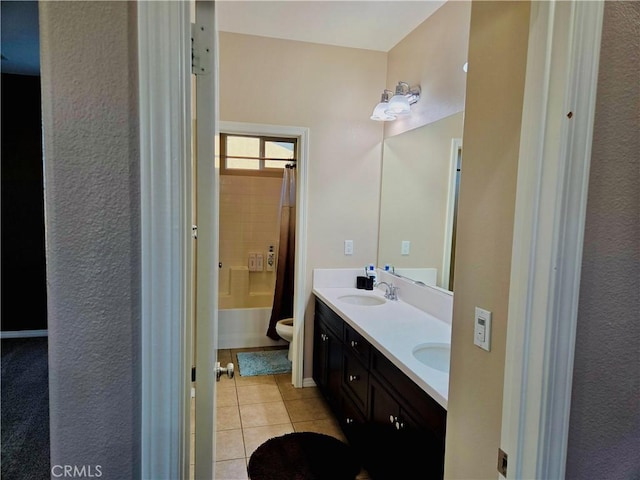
{"points": [[220, 370]]}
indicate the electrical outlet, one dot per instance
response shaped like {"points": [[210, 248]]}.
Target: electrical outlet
{"points": [[348, 247]]}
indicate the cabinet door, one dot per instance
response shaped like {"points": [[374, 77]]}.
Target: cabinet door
{"points": [[320, 354], [353, 423], [327, 361], [398, 445]]}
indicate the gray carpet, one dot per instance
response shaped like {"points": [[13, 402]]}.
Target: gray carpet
{"points": [[25, 409]]}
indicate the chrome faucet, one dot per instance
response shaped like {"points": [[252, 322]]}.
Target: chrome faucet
{"points": [[391, 292]]}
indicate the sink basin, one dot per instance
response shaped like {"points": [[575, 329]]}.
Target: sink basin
{"points": [[362, 300], [434, 355]]}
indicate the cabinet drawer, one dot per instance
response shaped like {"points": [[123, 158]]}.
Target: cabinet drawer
{"points": [[355, 380], [356, 344], [329, 317]]}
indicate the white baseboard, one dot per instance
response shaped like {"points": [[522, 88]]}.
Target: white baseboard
{"points": [[308, 382], [24, 334]]}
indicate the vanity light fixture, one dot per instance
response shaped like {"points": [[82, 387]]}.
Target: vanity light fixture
{"points": [[405, 96], [399, 104], [380, 111]]}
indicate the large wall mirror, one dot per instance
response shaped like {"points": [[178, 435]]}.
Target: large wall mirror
{"points": [[420, 177]]}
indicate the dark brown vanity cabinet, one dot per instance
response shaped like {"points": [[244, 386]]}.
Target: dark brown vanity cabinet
{"points": [[327, 357], [396, 427]]}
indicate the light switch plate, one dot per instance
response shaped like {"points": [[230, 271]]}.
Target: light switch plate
{"points": [[252, 262], [348, 247], [482, 329], [405, 247], [259, 262]]}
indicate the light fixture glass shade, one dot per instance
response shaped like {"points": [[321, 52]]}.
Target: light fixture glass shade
{"points": [[398, 105], [380, 113]]}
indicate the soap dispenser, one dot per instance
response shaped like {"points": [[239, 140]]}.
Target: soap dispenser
{"points": [[371, 273]]}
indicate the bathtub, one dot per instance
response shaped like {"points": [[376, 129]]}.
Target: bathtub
{"points": [[245, 327]]}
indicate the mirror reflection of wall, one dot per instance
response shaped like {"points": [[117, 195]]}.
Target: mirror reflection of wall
{"points": [[419, 151], [417, 198]]}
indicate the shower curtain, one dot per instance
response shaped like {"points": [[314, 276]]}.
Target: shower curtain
{"points": [[283, 294]]}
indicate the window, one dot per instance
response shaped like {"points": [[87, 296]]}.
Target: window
{"points": [[256, 155]]}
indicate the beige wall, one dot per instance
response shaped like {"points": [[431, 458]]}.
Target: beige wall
{"points": [[495, 85], [249, 215], [432, 55], [330, 90]]}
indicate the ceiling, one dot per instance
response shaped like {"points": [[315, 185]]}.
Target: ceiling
{"points": [[373, 25]]}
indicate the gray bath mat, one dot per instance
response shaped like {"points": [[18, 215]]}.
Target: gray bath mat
{"points": [[270, 362]]}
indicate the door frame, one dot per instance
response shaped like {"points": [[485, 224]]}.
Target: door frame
{"points": [[536, 396], [302, 134], [207, 175], [551, 197], [164, 66], [456, 146]]}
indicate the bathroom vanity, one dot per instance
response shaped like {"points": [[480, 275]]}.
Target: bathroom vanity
{"points": [[391, 407]]}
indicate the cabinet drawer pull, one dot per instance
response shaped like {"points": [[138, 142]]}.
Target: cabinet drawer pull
{"points": [[354, 343], [354, 378]]}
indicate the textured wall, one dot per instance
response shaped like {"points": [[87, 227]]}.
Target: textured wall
{"points": [[90, 119], [498, 42], [604, 430]]}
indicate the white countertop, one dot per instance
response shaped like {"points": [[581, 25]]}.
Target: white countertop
{"points": [[395, 328]]}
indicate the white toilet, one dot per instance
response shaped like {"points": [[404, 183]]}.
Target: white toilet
{"points": [[284, 328]]}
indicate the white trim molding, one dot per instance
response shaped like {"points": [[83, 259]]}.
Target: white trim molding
{"points": [[302, 134], [164, 65], [24, 334], [553, 170], [456, 146]]}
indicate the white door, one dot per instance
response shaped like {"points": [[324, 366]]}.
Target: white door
{"points": [[206, 175]]}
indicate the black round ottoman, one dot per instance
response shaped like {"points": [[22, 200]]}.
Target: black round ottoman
{"points": [[303, 456]]}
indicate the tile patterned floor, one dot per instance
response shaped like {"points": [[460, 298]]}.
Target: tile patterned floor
{"points": [[251, 410]]}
